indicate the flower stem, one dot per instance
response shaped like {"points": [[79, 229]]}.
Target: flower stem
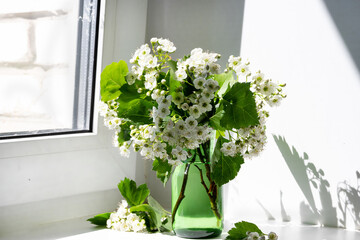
{"points": [[182, 192], [212, 191]]}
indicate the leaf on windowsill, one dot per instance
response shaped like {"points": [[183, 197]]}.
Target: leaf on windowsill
{"points": [[133, 195], [100, 219], [240, 229], [163, 216]]}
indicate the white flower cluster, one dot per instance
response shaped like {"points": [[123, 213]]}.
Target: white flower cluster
{"points": [[256, 236], [266, 89], [197, 64], [152, 141], [180, 116], [108, 111], [123, 220], [241, 69], [249, 142], [163, 45]]}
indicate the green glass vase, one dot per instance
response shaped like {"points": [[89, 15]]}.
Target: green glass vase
{"points": [[194, 217]]}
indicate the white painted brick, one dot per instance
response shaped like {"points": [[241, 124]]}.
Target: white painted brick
{"points": [[19, 92], [58, 96], [21, 6], [55, 40], [36, 96], [35, 100], [14, 41]]}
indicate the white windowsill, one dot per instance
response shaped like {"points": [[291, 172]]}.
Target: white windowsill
{"points": [[80, 229]]}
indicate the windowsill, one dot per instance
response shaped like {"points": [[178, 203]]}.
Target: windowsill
{"points": [[80, 229]]}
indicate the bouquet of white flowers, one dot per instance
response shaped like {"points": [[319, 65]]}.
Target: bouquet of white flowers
{"points": [[170, 110]]}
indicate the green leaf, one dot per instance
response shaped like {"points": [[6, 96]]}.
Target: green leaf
{"points": [[133, 105], [161, 213], [225, 167], [124, 134], [240, 229], [220, 133], [225, 80], [150, 226], [132, 194], [100, 219], [174, 84], [240, 107], [163, 169], [112, 78], [172, 64], [146, 208], [137, 110], [215, 120]]}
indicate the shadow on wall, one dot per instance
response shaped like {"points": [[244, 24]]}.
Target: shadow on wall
{"points": [[305, 173], [346, 17], [349, 201]]}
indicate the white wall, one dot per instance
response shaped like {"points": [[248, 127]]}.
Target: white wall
{"points": [[313, 46]]}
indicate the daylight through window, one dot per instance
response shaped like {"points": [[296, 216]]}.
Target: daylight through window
{"points": [[47, 66]]}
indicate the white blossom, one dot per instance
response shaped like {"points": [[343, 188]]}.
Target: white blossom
{"points": [[204, 105], [178, 98], [199, 83], [191, 123], [195, 111], [124, 151], [234, 61], [253, 236], [163, 111], [272, 236], [211, 85], [123, 220], [229, 149]]}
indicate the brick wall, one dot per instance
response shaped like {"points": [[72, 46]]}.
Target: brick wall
{"points": [[37, 63]]}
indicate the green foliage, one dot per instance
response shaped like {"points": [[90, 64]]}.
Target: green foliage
{"points": [[132, 194], [155, 213], [112, 78], [161, 213], [225, 80], [240, 229], [240, 107], [215, 120], [156, 218], [99, 219], [173, 83], [149, 223], [133, 105], [124, 134], [172, 64], [149, 210], [163, 169], [225, 168]]}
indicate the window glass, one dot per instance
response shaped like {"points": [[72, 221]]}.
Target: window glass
{"points": [[47, 63]]}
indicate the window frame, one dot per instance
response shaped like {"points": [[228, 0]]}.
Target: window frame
{"points": [[93, 56]]}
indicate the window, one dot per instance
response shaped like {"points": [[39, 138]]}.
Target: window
{"points": [[47, 66]]}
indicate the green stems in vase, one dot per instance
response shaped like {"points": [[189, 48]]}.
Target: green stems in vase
{"points": [[197, 197]]}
